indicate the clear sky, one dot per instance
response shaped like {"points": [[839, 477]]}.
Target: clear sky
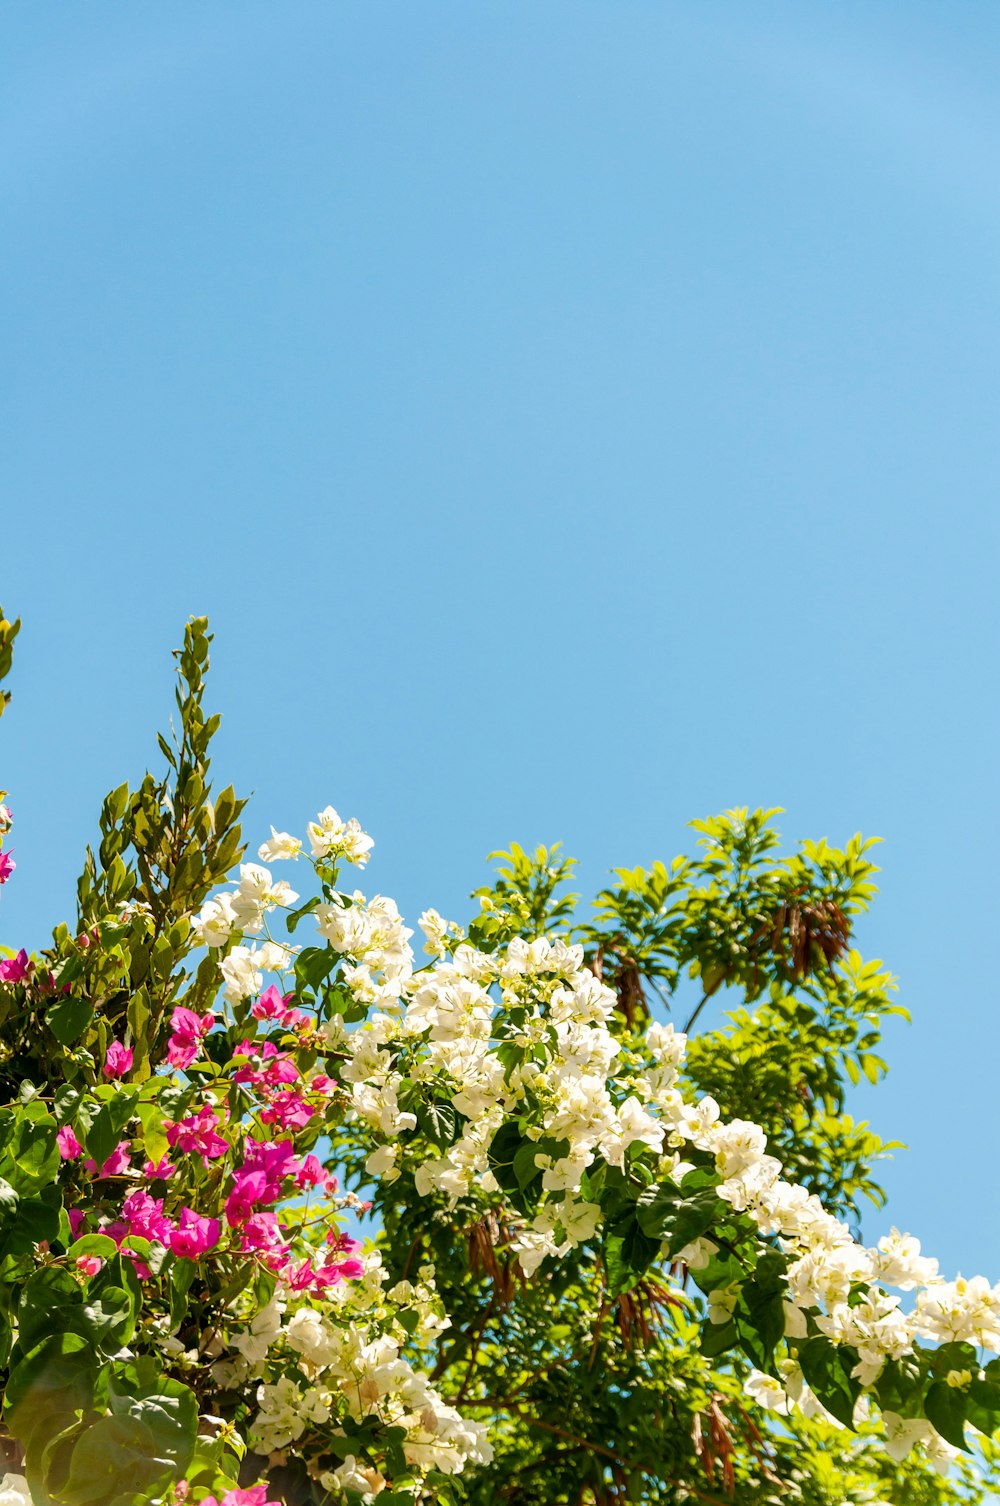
{"points": [[575, 418]]}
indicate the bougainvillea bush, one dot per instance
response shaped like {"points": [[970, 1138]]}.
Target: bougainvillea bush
{"points": [[292, 1212]]}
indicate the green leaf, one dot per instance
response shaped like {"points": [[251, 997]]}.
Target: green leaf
{"points": [[760, 1312], [57, 1375], [154, 1135], [37, 1220], [50, 1303], [313, 965], [115, 1454], [657, 1209], [694, 1217], [294, 916], [526, 1171], [503, 1148], [718, 1338], [110, 1318], [946, 1407], [438, 1121], [93, 1244], [628, 1252], [983, 1409], [30, 1157], [827, 1367], [165, 1406], [69, 1019]]}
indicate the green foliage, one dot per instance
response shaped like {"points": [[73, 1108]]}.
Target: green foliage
{"points": [[595, 1380], [617, 1374], [8, 632]]}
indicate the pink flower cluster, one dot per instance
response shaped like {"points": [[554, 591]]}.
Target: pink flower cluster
{"points": [[257, 1186], [273, 1006], [198, 1135], [270, 1170], [272, 1072], [7, 866], [188, 1030], [15, 969], [118, 1060], [257, 1496], [191, 1236]]}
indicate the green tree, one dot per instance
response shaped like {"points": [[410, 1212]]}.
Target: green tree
{"points": [[612, 1373], [600, 1398]]}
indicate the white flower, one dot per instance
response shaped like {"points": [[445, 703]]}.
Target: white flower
{"points": [[435, 928], [254, 1342], [329, 836], [274, 956], [382, 1163], [963, 1310], [900, 1263], [216, 922], [351, 1475], [285, 1412], [698, 1254], [241, 974], [901, 1433], [722, 1302], [280, 845], [767, 1392], [579, 1219], [666, 1044], [14, 1491], [637, 1125], [312, 1337], [259, 892]]}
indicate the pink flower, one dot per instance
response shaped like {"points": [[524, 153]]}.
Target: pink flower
{"points": [[310, 1173], [261, 1235], [342, 1244], [196, 1135], [249, 1189], [69, 1145], [7, 866], [273, 1066], [15, 969], [257, 1496], [158, 1172], [118, 1162], [307, 1277], [288, 1110], [189, 1030], [195, 1235], [275, 1157], [76, 1217], [146, 1218], [118, 1060], [89, 1264], [270, 1005]]}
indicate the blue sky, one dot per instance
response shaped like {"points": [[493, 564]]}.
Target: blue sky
{"points": [[575, 418]]}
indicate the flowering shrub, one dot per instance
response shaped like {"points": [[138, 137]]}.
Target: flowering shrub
{"points": [[205, 1085]]}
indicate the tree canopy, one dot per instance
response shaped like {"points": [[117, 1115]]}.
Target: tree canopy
{"points": [[290, 1213]]}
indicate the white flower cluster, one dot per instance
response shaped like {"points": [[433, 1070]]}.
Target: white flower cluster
{"points": [[519, 1040], [586, 1100], [350, 1353]]}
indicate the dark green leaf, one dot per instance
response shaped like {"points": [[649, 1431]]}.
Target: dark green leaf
{"points": [[946, 1407], [827, 1367], [69, 1019]]}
